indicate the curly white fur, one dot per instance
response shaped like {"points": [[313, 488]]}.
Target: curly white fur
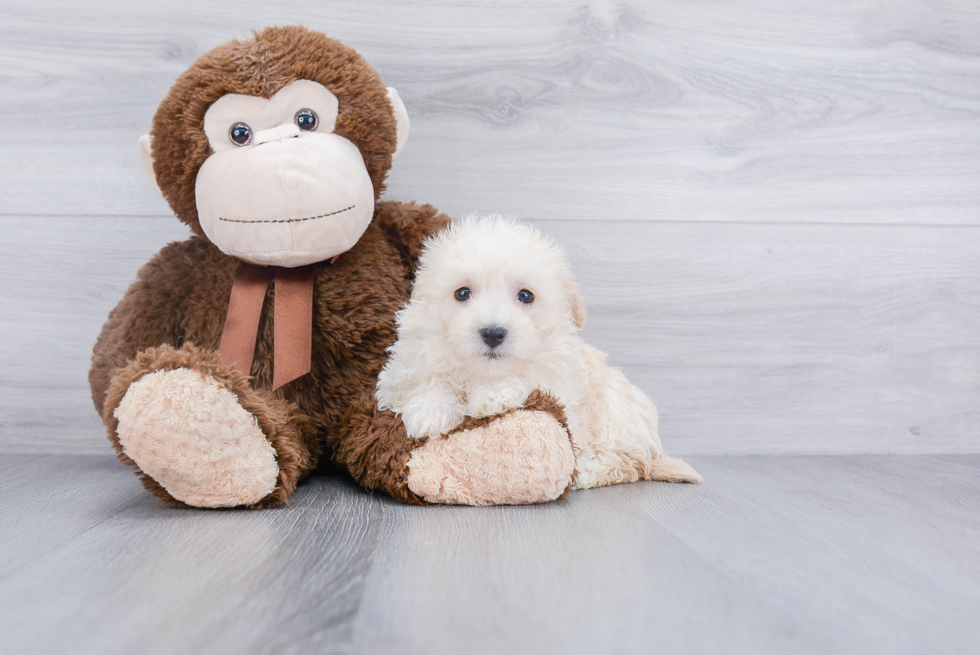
{"points": [[441, 370]]}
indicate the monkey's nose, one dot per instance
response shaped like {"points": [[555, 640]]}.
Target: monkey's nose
{"points": [[278, 133], [493, 335]]}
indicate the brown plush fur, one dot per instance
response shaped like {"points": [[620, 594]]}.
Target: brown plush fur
{"points": [[174, 313], [291, 433], [172, 316], [180, 299], [262, 66], [372, 443], [375, 449]]}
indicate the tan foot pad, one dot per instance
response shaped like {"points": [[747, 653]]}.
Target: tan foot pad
{"points": [[193, 437], [520, 458]]}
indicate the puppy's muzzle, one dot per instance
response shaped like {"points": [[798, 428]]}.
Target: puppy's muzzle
{"points": [[493, 335]]}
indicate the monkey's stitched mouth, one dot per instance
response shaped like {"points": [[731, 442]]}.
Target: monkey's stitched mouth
{"points": [[289, 220]]}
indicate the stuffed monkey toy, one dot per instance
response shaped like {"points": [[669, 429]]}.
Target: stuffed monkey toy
{"points": [[246, 353]]}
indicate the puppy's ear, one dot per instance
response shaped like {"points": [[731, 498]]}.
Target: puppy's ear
{"points": [[576, 303]]}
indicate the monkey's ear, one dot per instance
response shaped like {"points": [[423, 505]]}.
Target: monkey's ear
{"points": [[401, 118], [147, 157]]}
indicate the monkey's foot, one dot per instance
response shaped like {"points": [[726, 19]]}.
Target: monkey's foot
{"points": [[193, 437], [521, 457]]}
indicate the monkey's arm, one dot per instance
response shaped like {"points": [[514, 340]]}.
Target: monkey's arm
{"points": [[407, 225], [522, 456], [161, 399], [147, 316]]}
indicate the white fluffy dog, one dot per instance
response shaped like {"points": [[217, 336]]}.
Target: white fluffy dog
{"points": [[494, 314]]}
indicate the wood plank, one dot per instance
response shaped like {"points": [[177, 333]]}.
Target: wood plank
{"points": [[744, 112], [769, 555], [50, 500], [154, 579], [791, 339], [845, 554], [57, 298], [750, 338]]}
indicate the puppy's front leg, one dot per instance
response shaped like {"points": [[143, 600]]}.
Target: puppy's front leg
{"points": [[432, 414], [495, 398]]}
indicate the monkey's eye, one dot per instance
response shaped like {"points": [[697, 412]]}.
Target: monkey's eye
{"points": [[240, 134], [462, 294], [525, 296], [306, 119]]}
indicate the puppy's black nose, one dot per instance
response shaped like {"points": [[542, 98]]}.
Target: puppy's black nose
{"points": [[493, 335]]}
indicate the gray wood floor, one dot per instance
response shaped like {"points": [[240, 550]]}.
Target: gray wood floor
{"points": [[845, 554]]}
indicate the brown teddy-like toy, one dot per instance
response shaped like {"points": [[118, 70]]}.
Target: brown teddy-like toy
{"points": [[242, 355]]}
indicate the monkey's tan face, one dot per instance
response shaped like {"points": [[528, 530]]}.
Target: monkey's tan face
{"points": [[281, 188]]}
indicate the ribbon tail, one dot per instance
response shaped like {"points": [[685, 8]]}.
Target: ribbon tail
{"points": [[237, 347], [293, 324]]}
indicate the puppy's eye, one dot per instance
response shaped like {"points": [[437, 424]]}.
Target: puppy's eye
{"points": [[462, 294], [525, 296]]}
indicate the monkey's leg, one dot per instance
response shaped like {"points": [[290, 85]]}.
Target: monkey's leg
{"points": [[200, 436], [520, 457]]}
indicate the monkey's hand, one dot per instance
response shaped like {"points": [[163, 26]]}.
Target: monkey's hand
{"points": [[516, 458]]}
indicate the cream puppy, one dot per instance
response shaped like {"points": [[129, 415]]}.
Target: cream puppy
{"points": [[495, 314]]}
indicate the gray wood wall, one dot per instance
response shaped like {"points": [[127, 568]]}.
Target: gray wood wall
{"points": [[774, 207]]}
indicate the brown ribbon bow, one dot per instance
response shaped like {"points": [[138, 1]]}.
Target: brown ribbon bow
{"points": [[292, 320]]}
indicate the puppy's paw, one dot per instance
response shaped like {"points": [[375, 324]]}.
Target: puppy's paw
{"points": [[430, 416], [497, 398]]}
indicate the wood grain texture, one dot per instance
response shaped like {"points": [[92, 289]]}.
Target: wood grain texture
{"points": [[750, 338], [56, 299], [853, 554], [772, 208], [855, 112]]}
